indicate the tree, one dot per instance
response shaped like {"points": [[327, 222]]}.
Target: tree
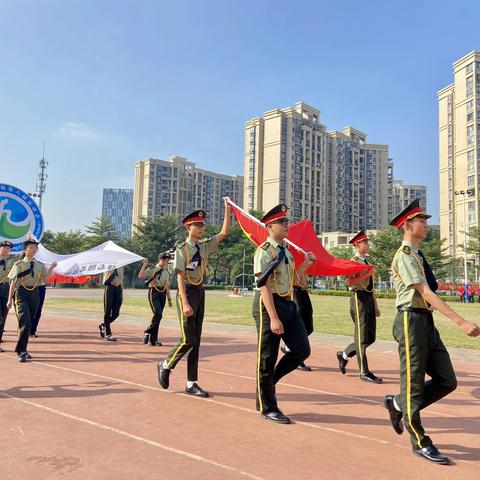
{"points": [[100, 231], [154, 236], [384, 246], [47, 238], [228, 262], [64, 243], [342, 251]]}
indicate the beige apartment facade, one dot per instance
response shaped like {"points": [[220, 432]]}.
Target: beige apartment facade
{"points": [[336, 179], [177, 186], [403, 194], [459, 129]]}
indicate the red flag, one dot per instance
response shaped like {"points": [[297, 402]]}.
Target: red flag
{"points": [[326, 265], [301, 236], [254, 230]]}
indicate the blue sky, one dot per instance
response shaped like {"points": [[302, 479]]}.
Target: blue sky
{"points": [[107, 83]]}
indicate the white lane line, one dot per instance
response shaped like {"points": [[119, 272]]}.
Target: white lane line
{"points": [[138, 438], [229, 405], [209, 400], [309, 389]]}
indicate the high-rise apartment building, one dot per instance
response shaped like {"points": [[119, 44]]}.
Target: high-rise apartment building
{"points": [[459, 155], [403, 195], [336, 179], [177, 186]]}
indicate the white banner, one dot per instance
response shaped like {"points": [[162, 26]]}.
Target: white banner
{"points": [[103, 258]]}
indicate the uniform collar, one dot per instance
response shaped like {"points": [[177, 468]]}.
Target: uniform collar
{"points": [[275, 244], [191, 243], [412, 246], [360, 256]]}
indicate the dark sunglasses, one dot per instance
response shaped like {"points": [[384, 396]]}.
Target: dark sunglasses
{"points": [[282, 221]]}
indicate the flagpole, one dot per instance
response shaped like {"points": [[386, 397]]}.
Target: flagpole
{"points": [[258, 222]]}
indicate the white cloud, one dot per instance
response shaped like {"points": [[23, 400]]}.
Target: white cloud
{"points": [[78, 130]]}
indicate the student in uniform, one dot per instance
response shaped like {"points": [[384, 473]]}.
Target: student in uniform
{"points": [[190, 265], [304, 307], [25, 277], [276, 315], [6, 262], [420, 347], [112, 301], [157, 279], [364, 312]]}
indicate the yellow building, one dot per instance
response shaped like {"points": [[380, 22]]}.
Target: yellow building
{"points": [[178, 186], [458, 114], [336, 179]]}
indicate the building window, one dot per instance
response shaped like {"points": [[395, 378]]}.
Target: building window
{"points": [[469, 106], [469, 68], [469, 117], [469, 86], [471, 180]]}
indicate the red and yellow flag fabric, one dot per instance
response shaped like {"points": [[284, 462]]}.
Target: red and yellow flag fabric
{"points": [[302, 238]]}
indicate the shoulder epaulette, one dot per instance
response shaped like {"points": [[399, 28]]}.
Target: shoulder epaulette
{"points": [[181, 244], [406, 249], [266, 245], [205, 240], [18, 261]]}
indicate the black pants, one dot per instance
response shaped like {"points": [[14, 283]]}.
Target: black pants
{"points": [[362, 311], [421, 352], [26, 304], [41, 291], [191, 332], [295, 337], [4, 288], [112, 301], [156, 300], [304, 307]]}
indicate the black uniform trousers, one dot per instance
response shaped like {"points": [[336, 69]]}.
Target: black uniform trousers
{"points": [[4, 288], [362, 311], [41, 291], [112, 301], [191, 328], [295, 337], [304, 307], [26, 304], [421, 352], [156, 300]]}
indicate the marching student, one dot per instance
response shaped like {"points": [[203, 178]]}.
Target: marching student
{"points": [[112, 301], [420, 347], [6, 262], [276, 315], [364, 312], [25, 277], [157, 279], [190, 265]]}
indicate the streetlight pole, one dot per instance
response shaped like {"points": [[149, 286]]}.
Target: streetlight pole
{"points": [[465, 265]]}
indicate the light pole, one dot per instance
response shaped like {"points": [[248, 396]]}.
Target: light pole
{"points": [[465, 265]]}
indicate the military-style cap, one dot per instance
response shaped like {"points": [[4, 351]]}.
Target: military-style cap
{"points": [[164, 256], [6, 243], [196, 216], [276, 213], [360, 236], [412, 211], [26, 243]]}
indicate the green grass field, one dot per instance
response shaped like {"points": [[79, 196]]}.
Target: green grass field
{"points": [[331, 314]]}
